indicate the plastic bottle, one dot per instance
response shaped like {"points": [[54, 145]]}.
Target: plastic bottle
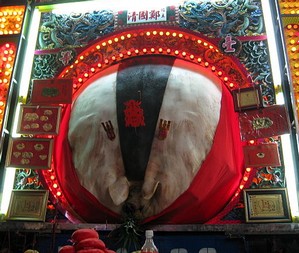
{"points": [[149, 245]]}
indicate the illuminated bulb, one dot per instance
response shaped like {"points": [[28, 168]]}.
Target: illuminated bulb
{"points": [[122, 37], [99, 65], [152, 50], [52, 177], [206, 64], [98, 47], [191, 56], [160, 50], [248, 169], [92, 69], [184, 54], [104, 44], [225, 79], [148, 33], [154, 32], [81, 57], [55, 186], [121, 55], [241, 186], [181, 35], [161, 33], [144, 50], [110, 42], [219, 73], [113, 58], [129, 35], [176, 52], [136, 51], [58, 193], [167, 33], [168, 50], [116, 39], [174, 34], [199, 59], [80, 80], [85, 74], [231, 85], [129, 53], [106, 60]]}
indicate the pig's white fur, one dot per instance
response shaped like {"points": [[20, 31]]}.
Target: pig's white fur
{"points": [[191, 102]]}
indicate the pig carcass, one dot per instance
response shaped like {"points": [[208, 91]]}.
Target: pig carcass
{"points": [[135, 165]]}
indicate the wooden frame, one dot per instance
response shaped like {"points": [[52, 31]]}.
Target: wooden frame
{"points": [[247, 98], [35, 119], [33, 153], [267, 205], [28, 205]]}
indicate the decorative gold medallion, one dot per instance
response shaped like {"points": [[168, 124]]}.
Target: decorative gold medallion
{"points": [[34, 125], [38, 147], [25, 161], [261, 123], [31, 116], [43, 157], [16, 154], [48, 112], [27, 154], [47, 127], [44, 118], [20, 146]]}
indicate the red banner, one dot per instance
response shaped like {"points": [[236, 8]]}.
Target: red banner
{"points": [[262, 155], [52, 91], [39, 120], [263, 123], [30, 153]]}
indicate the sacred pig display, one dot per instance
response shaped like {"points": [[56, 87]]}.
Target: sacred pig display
{"points": [[135, 164]]}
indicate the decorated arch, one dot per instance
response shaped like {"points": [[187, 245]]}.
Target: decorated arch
{"points": [[216, 186]]}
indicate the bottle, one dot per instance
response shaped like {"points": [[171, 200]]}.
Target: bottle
{"points": [[149, 245]]}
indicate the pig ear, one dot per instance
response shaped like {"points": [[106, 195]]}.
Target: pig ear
{"points": [[149, 193], [119, 190]]}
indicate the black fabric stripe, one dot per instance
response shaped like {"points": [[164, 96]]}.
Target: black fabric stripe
{"points": [[143, 79]]}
